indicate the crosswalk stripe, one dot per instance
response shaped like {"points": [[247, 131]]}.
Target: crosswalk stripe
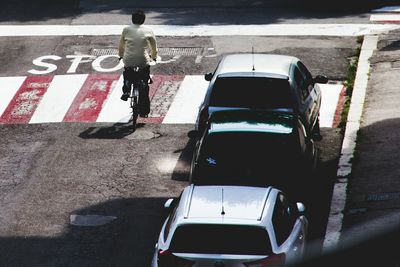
{"points": [[186, 104], [386, 18], [114, 110], [89, 101], [8, 88], [26, 99], [58, 98], [330, 98]]}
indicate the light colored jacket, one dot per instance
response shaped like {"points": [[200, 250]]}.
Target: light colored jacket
{"points": [[137, 46]]}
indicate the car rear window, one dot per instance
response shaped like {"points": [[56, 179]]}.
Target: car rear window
{"points": [[251, 92], [245, 158], [221, 239]]}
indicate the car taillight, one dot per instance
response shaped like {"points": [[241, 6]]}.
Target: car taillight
{"points": [[276, 260], [167, 259]]}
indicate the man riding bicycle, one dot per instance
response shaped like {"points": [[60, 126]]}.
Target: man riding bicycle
{"points": [[136, 41]]}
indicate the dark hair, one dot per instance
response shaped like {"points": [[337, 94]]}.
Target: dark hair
{"points": [[138, 17]]}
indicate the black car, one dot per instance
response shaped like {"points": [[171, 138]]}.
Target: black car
{"points": [[253, 148], [264, 82]]}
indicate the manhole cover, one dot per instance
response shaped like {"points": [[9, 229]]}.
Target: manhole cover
{"points": [[143, 135], [90, 220]]}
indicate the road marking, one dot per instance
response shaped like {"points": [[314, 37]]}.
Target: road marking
{"points": [[186, 104], [114, 110], [386, 18], [25, 101], [201, 30], [8, 88], [174, 99], [161, 99], [58, 98], [329, 102], [89, 101]]}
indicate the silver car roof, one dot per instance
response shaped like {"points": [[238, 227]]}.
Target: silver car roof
{"points": [[224, 204], [269, 63]]}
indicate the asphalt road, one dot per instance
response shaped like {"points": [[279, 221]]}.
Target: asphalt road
{"points": [[52, 171]]}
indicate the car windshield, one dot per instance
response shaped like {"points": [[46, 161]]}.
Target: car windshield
{"points": [[251, 92], [221, 239], [246, 158]]}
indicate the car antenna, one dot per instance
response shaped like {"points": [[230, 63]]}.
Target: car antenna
{"points": [[252, 54], [223, 210]]}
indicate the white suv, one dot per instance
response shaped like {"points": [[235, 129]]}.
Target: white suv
{"points": [[231, 226]]}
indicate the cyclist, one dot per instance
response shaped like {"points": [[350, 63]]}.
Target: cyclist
{"points": [[137, 48]]}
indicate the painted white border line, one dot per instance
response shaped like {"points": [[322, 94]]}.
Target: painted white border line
{"points": [[201, 30], [338, 203], [388, 18]]}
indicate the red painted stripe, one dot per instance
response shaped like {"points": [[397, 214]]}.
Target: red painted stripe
{"points": [[339, 108], [158, 82], [26, 100], [88, 102]]}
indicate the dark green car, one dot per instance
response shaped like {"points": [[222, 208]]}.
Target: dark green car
{"points": [[253, 148]]}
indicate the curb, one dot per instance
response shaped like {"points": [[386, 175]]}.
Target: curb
{"points": [[335, 219]]}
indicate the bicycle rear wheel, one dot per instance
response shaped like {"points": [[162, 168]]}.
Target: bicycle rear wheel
{"points": [[134, 105]]}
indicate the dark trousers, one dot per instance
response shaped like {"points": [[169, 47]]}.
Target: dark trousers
{"points": [[143, 74]]}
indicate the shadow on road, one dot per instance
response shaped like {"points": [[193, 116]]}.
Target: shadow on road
{"points": [[41, 10], [127, 241], [182, 169], [116, 131]]}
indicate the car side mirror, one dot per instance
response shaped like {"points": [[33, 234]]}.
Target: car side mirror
{"points": [[301, 208], [193, 134], [168, 203], [321, 79], [208, 76]]}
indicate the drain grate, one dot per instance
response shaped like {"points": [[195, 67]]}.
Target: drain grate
{"points": [[103, 52], [383, 196], [180, 51], [164, 51]]}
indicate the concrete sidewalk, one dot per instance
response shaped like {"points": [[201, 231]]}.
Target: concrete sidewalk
{"points": [[373, 192]]}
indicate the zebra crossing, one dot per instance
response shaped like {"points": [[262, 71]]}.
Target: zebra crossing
{"points": [[96, 98]]}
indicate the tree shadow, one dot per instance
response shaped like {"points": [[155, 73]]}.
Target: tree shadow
{"points": [[127, 241], [187, 12]]}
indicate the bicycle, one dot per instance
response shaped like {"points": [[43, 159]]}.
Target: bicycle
{"points": [[138, 84]]}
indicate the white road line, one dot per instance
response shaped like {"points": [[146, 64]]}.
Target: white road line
{"points": [[58, 98], [114, 109], [186, 103], [395, 18], [330, 97], [8, 88], [201, 30]]}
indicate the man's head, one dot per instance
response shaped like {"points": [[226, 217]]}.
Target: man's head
{"points": [[138, 17]]}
